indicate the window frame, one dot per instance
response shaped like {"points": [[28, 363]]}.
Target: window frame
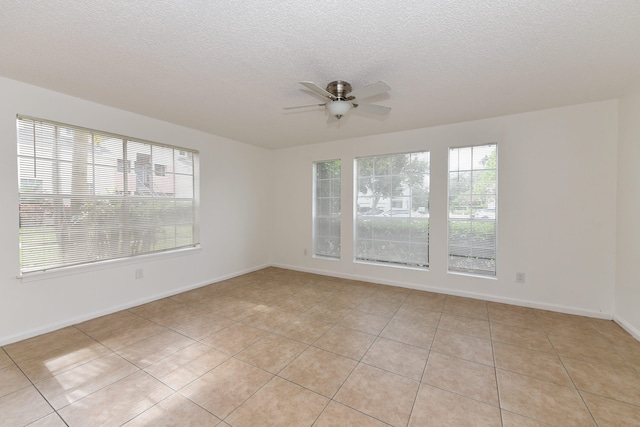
{"points": [[471, 219], [316, 237], [64, 169], [411, 220]]}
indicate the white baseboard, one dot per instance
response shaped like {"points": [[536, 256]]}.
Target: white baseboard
{"points": [[523, 303], [627, 327], [88, 316], [492, 298]]}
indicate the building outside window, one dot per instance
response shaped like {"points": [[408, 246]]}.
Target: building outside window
{"points": [[122, 165]]}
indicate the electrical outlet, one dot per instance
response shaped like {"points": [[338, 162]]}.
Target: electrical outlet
{"points": [[520, 278], [139, 273]]}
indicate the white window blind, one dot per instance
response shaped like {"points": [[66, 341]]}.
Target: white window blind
{"points": [[327, 204], [473, 209], [392, 209], [87, 196]]}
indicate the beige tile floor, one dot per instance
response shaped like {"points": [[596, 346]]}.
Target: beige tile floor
{"points": [[284, 348]]}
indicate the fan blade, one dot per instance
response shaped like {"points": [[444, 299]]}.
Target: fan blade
{"points": [[373, 108], [370, 90], [317, 89], [303, 106]]}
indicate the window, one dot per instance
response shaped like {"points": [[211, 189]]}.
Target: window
{"points": [[160, 170], [326, 220], [392, 209], [81, 202], [472, 209]]}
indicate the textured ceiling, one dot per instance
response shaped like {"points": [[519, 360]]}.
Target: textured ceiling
{"points": [[228, 67]]}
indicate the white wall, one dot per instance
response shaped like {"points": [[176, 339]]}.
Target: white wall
{"points": [[627, 290], [235, 219], [557, 212], [557, 207]]}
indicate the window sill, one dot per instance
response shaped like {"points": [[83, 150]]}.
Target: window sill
{"points": [[102, 265], [392, 265], [479, 276], [328, 258]]}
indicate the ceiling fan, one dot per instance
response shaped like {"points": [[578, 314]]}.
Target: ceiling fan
{"points": [[341, 98]]}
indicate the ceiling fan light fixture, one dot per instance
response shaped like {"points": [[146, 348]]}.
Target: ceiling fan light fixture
{"points": [[339, 108], [339, 98]]}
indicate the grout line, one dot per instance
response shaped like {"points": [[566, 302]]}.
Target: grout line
{"points": [[495, 370], [424, 369], [35, 388]]}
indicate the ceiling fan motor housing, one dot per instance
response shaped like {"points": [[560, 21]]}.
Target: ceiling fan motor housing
{"points": [[340, 89]]}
